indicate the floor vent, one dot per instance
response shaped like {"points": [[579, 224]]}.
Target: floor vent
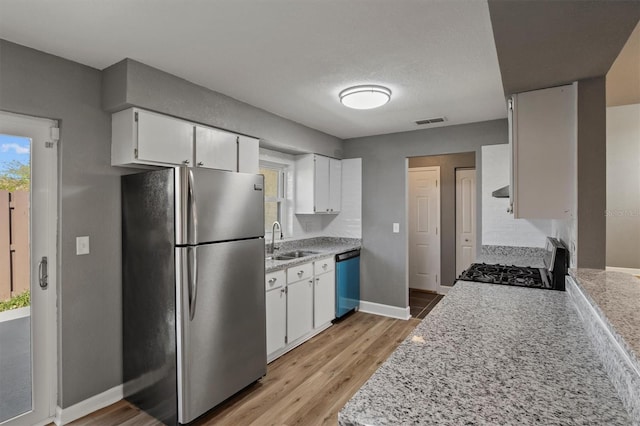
{"points": [[431, 121]]}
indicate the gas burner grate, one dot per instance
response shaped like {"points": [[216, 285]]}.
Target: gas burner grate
{"points": [[505, 274]]}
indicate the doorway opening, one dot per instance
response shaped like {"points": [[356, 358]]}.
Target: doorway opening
{"points": [[432, 267]]}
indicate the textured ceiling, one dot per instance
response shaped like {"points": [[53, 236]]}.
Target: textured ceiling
{"points": [[291, 58]]}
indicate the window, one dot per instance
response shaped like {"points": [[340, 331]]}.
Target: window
{"points": [[274, 194]]}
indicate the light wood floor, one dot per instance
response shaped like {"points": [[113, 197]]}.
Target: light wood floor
{"points": [[307, 386]]}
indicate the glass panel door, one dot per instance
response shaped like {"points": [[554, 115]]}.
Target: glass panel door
{"points": [[28, 218], [15, 306]]}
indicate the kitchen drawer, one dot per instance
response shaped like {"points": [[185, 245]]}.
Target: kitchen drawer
{"points": [[324, 265], [275, 280], [299, 272]]}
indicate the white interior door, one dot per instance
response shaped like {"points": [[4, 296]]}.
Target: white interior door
{"points": [[465, 219], [424, 228], [28, 335]]}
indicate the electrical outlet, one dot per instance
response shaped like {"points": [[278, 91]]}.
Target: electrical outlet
{"points": [[82, 245], [396, 228]]}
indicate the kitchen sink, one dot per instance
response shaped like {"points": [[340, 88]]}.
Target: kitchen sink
{"points": [[293, 255]]}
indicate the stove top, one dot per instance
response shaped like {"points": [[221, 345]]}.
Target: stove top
{"points": [[507, 275]]}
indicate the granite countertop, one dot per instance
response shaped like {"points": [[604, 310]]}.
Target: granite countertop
{"points": [[490, 354], [324, 246], [616, 298], [507, 255]]}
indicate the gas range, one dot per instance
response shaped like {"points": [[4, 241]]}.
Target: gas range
{"points": [[551, 277], [507, 275]]}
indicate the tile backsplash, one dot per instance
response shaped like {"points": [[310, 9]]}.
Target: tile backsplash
{"points": [[499, 228]]}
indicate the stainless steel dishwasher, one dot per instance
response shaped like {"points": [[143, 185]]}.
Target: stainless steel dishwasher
{"points": [[347, 282]]}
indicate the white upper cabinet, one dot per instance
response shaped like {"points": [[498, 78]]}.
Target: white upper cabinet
{"points": [[142, 137], [216, 149], [318, 184], [543, 137], [248, 149], [321, 183], [335, 184]]}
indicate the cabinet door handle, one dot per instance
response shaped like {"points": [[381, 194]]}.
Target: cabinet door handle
{"points": [[200, 163], [185, 162], [300, 273], [283, 290], [272, 280], [324, 266], [317, 279]]}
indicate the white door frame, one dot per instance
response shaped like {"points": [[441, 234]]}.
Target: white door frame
{"points": [[473, 218], [439, 288], [43, 317]]}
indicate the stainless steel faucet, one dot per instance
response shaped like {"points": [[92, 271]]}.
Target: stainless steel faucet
{"points": [[272, 248]]}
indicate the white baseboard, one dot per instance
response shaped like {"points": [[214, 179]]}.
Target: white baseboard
{"points": [[631, 271], [88, 406], [385, 310], [444, 289]]}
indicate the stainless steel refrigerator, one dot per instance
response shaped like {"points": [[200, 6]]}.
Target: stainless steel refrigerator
{"points": [[194, 328]]}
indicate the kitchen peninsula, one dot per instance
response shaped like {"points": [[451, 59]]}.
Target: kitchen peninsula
{"points": [[492, 354]]}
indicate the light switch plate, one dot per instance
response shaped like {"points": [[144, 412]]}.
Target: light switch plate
{"points": [[82, 245], [396, 228]]}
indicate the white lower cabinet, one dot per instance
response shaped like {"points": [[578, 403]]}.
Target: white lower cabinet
{"points": [[276, 308], [276, 319], [324, 292], [300, 308]]}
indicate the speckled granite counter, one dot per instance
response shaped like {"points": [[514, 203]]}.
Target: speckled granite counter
{"points": [[492, 354], [324, 246], [507, 255], [609, 303]]}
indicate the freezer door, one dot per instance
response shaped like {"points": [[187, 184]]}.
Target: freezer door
{"points": [[221, 323], [215, 205]]}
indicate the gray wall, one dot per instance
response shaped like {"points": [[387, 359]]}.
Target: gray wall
{"points": [[89, 300], [623, 186], [89, 305], [384, 162], [130, 83], [448, 165], [592, 173]]}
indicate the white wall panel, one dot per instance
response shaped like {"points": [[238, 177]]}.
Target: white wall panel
{"points": [[499, 228]]}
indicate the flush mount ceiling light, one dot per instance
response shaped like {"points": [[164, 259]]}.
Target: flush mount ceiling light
{"points": [[365, 97]]}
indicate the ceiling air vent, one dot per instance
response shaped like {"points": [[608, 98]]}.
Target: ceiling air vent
{"points": [[431, 121]]}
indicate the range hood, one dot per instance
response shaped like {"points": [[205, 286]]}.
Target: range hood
{"points": [[501, 192]]}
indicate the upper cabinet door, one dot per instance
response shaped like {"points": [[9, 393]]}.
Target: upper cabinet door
{"points": [[248, 152], [216, 149], [335, 185], [544, 153], [321, 184], [163, 139]]}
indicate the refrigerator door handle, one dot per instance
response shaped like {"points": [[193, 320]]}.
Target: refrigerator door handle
{"points": [[192, 258], [193, 212]]}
